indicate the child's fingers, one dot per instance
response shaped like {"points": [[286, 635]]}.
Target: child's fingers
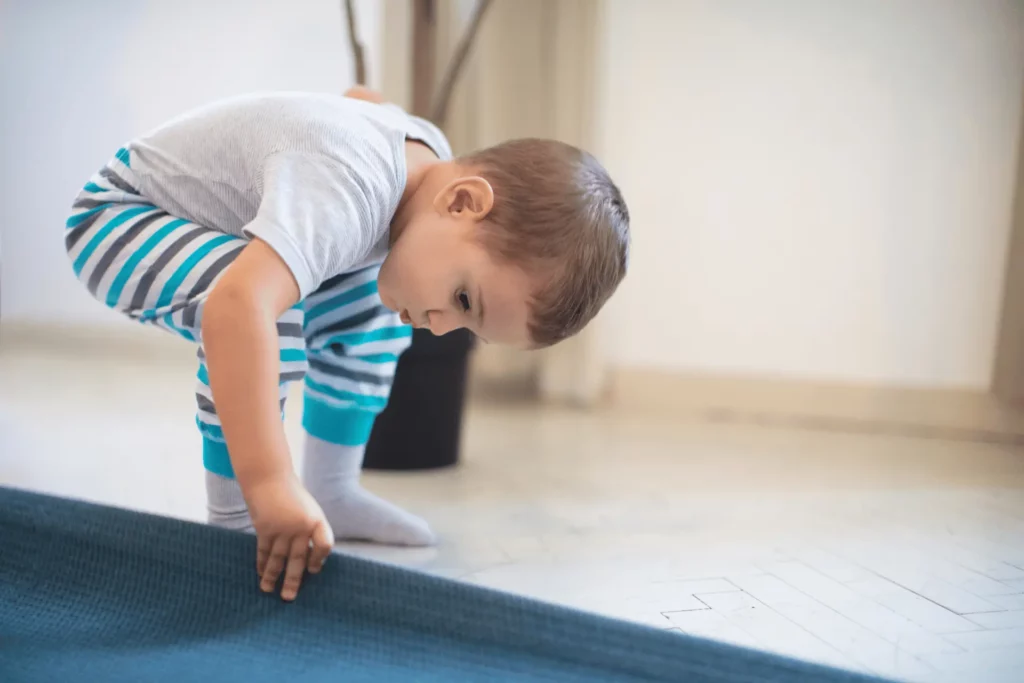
{"points": [[323, 542], [263, 545], [275, 563], [296, 567]]}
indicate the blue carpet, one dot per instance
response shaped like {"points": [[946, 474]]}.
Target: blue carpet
{"points": [[92, 593]]}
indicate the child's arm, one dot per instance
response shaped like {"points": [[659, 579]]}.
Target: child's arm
{"points": [[239, 329]]}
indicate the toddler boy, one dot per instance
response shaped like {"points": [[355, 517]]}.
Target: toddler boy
{"points": [[300, 236]]}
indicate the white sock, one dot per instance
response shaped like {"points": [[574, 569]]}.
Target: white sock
{"points": [[331, 473], [225, 505]]}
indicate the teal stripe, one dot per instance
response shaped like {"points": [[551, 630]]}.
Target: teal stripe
{"points": [[114, 295], [213, 432], [216, 459], [292, 355], [93, 187], [382, 334], [378, 358], [123, 157], [79, 217], [167, 294], [375, 403], [103, 232], [352, 295], [335, 425], [169, 322]]}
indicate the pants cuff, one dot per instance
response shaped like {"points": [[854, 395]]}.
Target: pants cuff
{"points": [[337, 425]]}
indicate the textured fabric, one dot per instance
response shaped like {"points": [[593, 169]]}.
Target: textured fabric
{"points": [[317, 176], [159, 269], [225, 504], [98, 594], [353, 344]]}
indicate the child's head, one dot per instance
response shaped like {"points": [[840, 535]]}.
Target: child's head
{"points": [[522, 243]]}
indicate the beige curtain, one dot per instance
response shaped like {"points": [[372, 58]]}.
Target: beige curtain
{"points": [[532, 73]]}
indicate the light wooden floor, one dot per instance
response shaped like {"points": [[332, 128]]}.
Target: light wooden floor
{"points": [[899, 556]]}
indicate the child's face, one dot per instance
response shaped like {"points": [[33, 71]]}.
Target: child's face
{"points": [[439, 276]]}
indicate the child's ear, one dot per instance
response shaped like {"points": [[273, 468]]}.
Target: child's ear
{"points": [[470, 197]]}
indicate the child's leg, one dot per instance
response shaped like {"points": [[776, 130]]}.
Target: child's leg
{"points": [[159, 270], [353, 343]]}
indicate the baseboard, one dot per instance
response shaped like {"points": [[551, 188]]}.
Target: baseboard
{"points": [[963, 415], [931, 413]]}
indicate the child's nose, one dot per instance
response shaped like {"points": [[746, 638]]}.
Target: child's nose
{"points": [[440, 324]]}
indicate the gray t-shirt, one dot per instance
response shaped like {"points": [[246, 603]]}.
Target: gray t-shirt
{"points": [[316, 176]]}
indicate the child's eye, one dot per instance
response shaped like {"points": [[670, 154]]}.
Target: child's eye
{"points": [[463, 299]]}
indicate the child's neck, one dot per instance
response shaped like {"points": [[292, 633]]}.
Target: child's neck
{"points": [[423, 170]]}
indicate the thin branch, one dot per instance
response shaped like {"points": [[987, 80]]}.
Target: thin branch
{"points": [[439, 108], [424, 53], [358, 54]]}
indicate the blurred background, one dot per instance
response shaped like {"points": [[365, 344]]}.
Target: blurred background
{"points": [[807, 391]]}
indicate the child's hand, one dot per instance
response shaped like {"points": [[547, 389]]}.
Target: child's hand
{"points": [[292, 533]]}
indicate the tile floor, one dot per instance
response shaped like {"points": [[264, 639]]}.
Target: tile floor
{"points": [[893, 555]]}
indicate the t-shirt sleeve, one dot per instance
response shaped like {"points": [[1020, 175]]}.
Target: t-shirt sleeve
{"points": [[318, 214], [423, 130]]}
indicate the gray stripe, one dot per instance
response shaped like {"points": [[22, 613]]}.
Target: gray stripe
{"points": [[333, 370], [117, 247], [205, 280], [289, 330], [293, 376], [354, 321], [117, 181], [76, 233], [156, 314], [205, 404], [166, 311], [324, 290], [89, 203], [333, 282], [149, 277]]}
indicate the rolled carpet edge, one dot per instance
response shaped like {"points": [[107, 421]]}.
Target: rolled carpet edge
{"points": [[104, 593]]}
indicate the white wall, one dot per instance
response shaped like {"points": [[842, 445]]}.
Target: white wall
{"points": [[818, 189], [77, 79]]}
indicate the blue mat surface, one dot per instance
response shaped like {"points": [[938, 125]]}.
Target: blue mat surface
{"points": [[93, 593]]}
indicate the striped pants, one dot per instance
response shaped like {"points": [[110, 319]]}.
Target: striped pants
{"points": [[159, 269]]}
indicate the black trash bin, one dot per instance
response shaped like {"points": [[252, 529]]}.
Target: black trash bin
{"points": [[421, 427]]}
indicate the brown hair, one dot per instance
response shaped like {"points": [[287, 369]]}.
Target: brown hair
{"points": [[556, 214]]}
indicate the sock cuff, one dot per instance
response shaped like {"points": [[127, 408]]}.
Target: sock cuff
{"points": [[215, 458], [336, 425]]}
